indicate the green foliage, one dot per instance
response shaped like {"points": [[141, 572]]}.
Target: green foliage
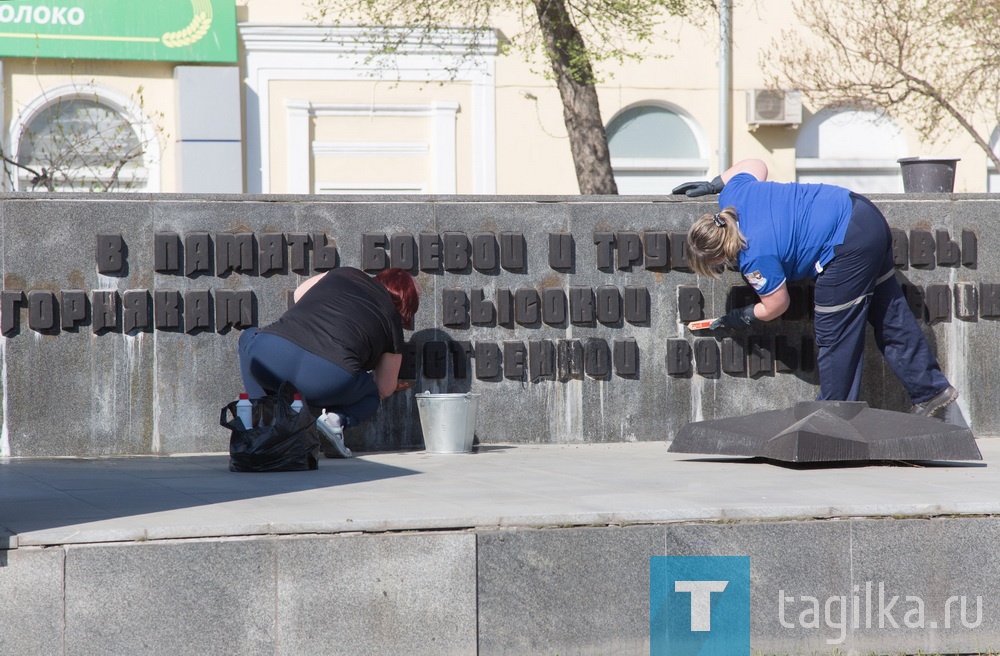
{"points": [[609, 30]]}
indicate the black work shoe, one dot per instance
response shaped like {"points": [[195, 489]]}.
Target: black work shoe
{"points": [[935, 404]]}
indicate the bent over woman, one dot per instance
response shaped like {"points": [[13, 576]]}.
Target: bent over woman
{"points": [[340, 344], [777, 233]]}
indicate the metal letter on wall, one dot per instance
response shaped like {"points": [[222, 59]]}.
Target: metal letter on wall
{"points": [[272, 252], [690, 303], [922, 248], [197, 311], [527, 310], [657, 245], [454, 308], [298, 245], [324, 252], [105, 310], [461, 354], [706, 357], [581, 306], [948, 252], [629, 250], [569, 356], [487, 361], [110, 254], [197, 253], [484, 252], [970, 248], [233, 252], [761, 356], [456, 251], [10, 302], [373, 257], [597, 358], [135, 310], [167, 309], [734, 356], [553, 307], [637, 305], [403, 251], [562, 251], [966, 300], [605, 243], [483, 312], [234, 307], [166, 252], [786, 356], [515, 357], [513, 251], [541, 360], [72, 308], [678, 357], [989, 300], [609, 305], [900, 248], [435, 360], [41, 311], [678, 251], [626, 358], [938, 302], [430, 251]]}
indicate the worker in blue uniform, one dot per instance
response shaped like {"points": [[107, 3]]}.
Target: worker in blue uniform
{"points": [[777, 233]]}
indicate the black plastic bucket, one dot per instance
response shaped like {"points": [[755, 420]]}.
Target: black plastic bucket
{"points": [[928, 175]]}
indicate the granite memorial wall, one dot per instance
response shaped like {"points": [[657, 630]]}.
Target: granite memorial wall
{"points": [[120, 314]]}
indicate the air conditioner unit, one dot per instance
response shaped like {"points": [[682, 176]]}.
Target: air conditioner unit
{"points": [[773, 107]]}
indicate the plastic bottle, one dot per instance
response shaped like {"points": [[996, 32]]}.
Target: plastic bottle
{"points": [[244, 410], [297, 403]]}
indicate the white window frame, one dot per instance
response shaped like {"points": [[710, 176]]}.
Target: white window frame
{"points": [[323, 53], [671, 169], [129, 110]]}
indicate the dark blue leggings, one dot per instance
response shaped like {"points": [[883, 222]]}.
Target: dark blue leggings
{"points": [[267, 360]]}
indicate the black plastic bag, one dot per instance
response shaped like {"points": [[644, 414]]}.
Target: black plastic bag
{"points": [[281, 439]]}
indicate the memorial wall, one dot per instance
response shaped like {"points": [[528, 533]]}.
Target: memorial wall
{"points": [[120, 314]]}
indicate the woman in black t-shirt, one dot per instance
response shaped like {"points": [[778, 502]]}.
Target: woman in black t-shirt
{"points": [[340, 344]]}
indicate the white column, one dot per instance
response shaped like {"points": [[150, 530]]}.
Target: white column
{"points": [[444, 174], [298, 148]]}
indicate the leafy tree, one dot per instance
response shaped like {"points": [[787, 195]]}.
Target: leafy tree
{"points": [[934, 63], [573, 37]]}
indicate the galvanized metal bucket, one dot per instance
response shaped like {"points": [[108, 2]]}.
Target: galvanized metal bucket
{"points": [[448, 421]]}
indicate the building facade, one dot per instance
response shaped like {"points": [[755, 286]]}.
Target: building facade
{"points": [[203, 96]]}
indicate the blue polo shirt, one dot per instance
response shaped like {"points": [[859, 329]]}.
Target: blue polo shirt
{"points": [[791, 228]]}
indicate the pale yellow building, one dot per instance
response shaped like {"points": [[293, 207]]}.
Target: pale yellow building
{"points": [[291, 107]]}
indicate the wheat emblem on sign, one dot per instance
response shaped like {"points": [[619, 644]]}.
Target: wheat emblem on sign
{"points": [[196, 29]]}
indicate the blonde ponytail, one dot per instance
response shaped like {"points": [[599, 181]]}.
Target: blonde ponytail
{"points": [[714, 238]]}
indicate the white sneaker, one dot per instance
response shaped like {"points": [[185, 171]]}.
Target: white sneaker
{"points": [[329, 427]]}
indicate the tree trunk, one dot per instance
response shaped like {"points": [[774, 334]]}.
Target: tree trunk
{"points": [[588, 141]]}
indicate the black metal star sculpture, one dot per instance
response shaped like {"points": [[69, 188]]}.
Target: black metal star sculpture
{"points": [[829, 431]]}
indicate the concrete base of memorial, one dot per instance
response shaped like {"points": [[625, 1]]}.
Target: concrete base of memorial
{"points": [[514, 549]]}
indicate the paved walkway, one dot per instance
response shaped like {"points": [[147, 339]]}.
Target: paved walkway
{"points": [[87, 500]]}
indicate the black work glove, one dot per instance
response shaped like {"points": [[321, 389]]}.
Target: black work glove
{"points": [[695, 189], [737, 319]]}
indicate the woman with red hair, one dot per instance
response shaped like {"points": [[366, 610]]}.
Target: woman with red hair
{"points": [[340, 345]]}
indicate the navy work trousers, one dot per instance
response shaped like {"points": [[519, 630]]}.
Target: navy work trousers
{"points": [[268, 360], [859, 285]]}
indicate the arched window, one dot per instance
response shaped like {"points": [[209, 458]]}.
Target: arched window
{"points": [[82, 138], [851, 148], [654, 148]]}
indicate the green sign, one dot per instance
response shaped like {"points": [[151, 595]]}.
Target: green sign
{"points": [[157, 30]]}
